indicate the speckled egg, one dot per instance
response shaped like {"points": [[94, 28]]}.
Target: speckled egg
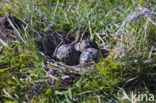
{"points": [[89, 55], [84, 44], [50, 41], [67, 54]]}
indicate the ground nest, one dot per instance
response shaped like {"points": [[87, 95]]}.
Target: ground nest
{"points": [[60, 48]]}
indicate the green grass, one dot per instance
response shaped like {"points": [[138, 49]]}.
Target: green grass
{"points": [[21, 63]]}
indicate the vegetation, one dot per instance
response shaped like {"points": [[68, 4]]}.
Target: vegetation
{"points": [[130, 67]]}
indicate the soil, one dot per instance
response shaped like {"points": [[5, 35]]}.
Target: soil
{"points": [[6, 30], [40, 87]]}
